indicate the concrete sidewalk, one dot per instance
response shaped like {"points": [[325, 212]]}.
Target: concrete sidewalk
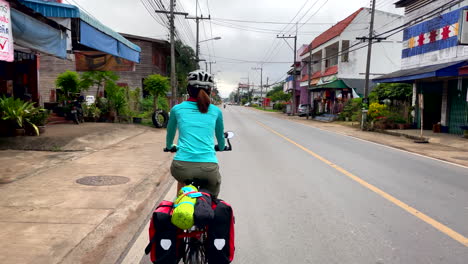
{"points": [[453, 150], [50, 218]]}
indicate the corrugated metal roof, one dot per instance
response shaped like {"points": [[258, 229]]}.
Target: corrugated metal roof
{"points": [[51, 9], [444, 69]]}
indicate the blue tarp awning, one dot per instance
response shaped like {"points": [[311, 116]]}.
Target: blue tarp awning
{"points": [[410, 75], [33, 34], [93, 33]]}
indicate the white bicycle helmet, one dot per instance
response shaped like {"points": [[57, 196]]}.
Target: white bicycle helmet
{"points": [[200, 79]]}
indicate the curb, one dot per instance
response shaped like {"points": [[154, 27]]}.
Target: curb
{"points": [[401, 135]]}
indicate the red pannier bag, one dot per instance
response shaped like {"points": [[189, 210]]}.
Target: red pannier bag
{"points": [[163, 236], [220, 246]]}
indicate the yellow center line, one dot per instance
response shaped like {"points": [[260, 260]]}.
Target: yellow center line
{"points": [[437, 225]]}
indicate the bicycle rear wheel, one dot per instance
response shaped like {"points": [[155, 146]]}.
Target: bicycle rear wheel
{"points": [[195, 255]]}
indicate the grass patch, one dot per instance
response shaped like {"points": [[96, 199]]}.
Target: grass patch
{"points": [[267, 110]]}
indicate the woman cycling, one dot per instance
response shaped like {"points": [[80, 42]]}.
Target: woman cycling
{"points": [[197, 121]]}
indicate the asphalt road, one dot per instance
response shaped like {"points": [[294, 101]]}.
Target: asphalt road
{"points": [[304, 195]]}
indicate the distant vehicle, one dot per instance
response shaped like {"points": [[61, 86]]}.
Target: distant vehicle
{"points": [[247, 104], [90, 99], [303, 109]]}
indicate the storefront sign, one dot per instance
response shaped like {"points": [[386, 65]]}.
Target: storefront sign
{"points": [[464, 28], [6, 35]]}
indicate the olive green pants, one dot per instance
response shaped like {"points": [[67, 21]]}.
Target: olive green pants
{"points": [[184, 171]]}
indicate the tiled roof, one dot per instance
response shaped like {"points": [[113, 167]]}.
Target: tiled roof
{"points": [[316, 75], [330, 71], [304, 78], [332, 32]]}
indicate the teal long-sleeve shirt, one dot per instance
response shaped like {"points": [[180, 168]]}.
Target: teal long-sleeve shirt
{"points": [[196, 132]]}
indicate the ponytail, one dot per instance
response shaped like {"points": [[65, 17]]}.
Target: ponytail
{"points": [[203, 101]]}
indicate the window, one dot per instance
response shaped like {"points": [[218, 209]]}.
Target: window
{"points": [[345, 51]]}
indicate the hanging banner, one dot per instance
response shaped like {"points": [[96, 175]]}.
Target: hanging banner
{"points": [[7, 51], [98, 61]]}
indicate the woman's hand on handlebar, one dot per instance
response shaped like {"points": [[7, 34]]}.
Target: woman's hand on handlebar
{"points": [[226, 148], [172, 149]]}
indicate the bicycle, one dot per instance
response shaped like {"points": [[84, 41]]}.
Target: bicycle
{"points": [[194, 239]]}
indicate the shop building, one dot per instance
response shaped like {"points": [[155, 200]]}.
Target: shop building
{"points": [[434, 58], [336, 59], [24, 35]]}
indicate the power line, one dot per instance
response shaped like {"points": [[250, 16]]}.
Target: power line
{"points": [[269, 22], [273, 47], [211, 27]]}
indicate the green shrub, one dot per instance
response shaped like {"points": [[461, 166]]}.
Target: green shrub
{"points": [[352, 110], [147, 104], [280, 106], [70, 84], [116, 98], [40, 118], [157, 85], [378, 110], [91, 111]]}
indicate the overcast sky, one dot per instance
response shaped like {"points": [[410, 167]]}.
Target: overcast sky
{"points": [[243, 45]]}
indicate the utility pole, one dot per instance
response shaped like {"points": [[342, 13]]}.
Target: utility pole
{"points": [[309, 69], [172, 32], [294, 69], [211, 62], [261, 80], [266, 91], [197, 21], [369, 50], [369, 56]]}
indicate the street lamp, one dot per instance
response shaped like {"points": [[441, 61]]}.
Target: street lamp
{"points": [[215, 38], [198, 46]]}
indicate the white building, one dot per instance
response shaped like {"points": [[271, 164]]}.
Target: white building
{"points": [[434, 59], [338, 59]]}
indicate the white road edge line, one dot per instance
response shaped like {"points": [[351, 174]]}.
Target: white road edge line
{"points": [[375, 143], [136, 253]]}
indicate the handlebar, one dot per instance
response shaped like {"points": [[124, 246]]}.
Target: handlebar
{"points": [[226, 148]]}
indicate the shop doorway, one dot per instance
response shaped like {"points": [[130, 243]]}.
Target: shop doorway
{"points": [[432, 92]]}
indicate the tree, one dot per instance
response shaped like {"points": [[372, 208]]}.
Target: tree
{"points": [[277, 94], [69, 82], [274, 90], [157, 86], [233, 96], [186, 62], [98, 78], [116, 98], [393, 91]]}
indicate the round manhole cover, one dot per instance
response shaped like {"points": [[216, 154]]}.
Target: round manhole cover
{"points": [[461, 158], [102, 180]]}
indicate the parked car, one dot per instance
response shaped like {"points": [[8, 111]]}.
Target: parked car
{"points": [[247, 104], [303, 109]]}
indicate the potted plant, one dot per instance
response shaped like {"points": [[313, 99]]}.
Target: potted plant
{"points": [[39, 119], [401, 122], [16, 113], [138, 118], [91, 112]]}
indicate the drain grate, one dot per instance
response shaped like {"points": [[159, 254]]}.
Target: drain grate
{"points": [[102, 180], [460, 158]]}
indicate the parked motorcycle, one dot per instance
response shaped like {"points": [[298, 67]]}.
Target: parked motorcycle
{"points": [[75, 111]]}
